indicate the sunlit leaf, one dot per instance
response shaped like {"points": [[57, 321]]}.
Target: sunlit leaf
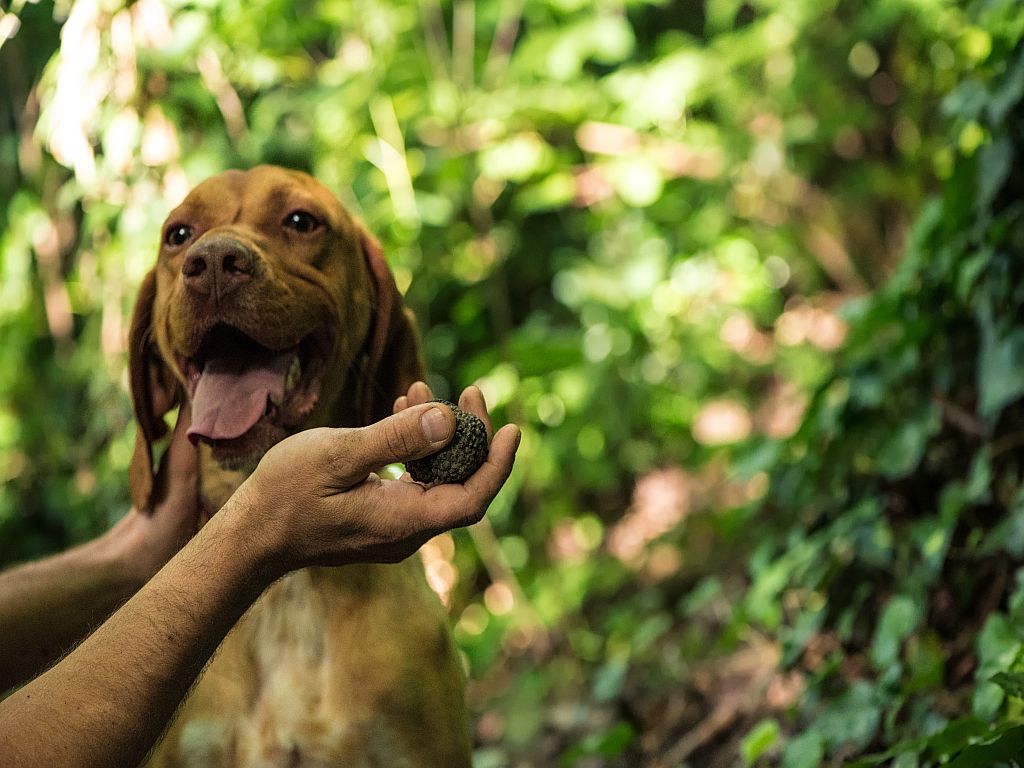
{"points": [[761, 738], [899, 618]]}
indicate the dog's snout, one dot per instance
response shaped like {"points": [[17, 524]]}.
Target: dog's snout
{"points": [[217, 266]]}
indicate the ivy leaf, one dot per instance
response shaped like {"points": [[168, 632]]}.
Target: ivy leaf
{"points": [[1011, 682], [998, 646], [853, 718], [804, 751], [1008, 534], [761, 738], [957, 735], [1006, 748], [1000, 363], [967, 100], [1007, 95], [994, 163], [899, 618], [902, 451]]}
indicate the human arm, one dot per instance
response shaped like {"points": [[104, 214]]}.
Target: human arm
{"points": [[314, 499], [48, 605]]}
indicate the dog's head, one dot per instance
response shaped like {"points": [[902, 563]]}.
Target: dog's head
{"points": [[271, 310]]}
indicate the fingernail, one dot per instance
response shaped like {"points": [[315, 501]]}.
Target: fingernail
{"points": [[435, 425]]}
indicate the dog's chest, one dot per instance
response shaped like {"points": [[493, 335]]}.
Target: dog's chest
{"points": [[260, 702], [269, 699]]}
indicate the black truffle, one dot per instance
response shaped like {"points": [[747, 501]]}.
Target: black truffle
{"points": [[460, 458]]}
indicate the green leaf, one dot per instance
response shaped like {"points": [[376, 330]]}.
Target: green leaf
{"points": [[1015, 606], [616, 740], [1008, 534], [925, 660], [1011, 682], [957, 735], [995, 161], [1000, 364], [899, 618], [931, 535], [948, 742], [804, 751], [902, 452], [1009, 93], [609, 744], [853, 718], [761, 738], [979, 480], [609, 678], [967, 100], [1006, 748], [611, 39], [798, 633], [517, 158], [998, 646]]}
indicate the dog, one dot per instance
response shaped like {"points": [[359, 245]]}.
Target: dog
{"points": [[270, 310]]}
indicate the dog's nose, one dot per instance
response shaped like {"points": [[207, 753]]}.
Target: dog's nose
{"points": [[218, 266]]}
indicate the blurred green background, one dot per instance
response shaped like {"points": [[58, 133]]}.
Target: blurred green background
{"points": [[748, 275]]}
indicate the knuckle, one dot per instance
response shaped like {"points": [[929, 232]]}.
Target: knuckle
{"points": [[335, 446], [396, 441]]}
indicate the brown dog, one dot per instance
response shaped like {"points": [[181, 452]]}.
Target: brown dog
{"points": [[270, 310]]}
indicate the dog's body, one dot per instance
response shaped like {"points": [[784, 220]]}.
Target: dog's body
{"points": [[332, 667], [271, 310]]}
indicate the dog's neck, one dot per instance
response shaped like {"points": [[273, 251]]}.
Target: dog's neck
{"points": [[216, 483]]}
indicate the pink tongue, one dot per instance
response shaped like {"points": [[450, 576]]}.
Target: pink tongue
{"points": [[232, 395]]}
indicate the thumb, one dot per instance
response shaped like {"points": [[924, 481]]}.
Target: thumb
{"points": [[410, 434], [179, 468]]}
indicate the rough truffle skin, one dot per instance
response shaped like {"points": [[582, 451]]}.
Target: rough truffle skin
{"points": [[460, 458]]}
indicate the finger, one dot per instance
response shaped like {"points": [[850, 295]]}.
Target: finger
{"points": [[182, 454], [351, 454], [179, 468], [501, 457], [472, 401], [420, 393], [450, 506], [409, 512]]}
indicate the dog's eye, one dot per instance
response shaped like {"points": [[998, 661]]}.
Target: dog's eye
{"points": [[301, 221], [178, 234]]}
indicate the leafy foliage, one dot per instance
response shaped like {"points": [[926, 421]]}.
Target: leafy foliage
{"points": [[768, 505], [901, 490]]}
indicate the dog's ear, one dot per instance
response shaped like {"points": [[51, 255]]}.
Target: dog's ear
{"points": [[154, 393], [393, 360]]}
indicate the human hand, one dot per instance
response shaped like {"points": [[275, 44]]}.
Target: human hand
{"points": [[315, 498], [144, 540]]}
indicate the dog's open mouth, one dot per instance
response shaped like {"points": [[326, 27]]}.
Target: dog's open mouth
{"points": [[245, 396]]}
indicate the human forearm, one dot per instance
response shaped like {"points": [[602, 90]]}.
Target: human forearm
{"points": [[48, 606], [107, 702]]}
